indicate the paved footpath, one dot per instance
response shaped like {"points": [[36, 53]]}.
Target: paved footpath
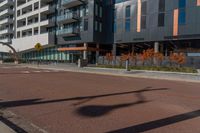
{"points": [[178, 76], [5, 129]]}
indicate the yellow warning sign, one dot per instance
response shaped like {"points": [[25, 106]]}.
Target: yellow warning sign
{"points": [[38, 47]]}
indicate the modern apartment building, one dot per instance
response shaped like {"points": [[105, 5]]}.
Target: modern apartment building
{"points": [[82, 26], [66, 28], [6, 24], [35, 20], [164, 24]]}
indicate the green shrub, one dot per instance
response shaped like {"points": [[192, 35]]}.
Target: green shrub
{"points": [[154, 68]]}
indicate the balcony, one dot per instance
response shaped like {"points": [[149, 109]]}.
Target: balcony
{"points": [[68, 18], [6, 21], [6, 12], [6, 3], [6, 31], [6, 40], [48, 9], [72, 3], [68, 32]]}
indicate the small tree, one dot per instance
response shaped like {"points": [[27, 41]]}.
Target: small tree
{"points": [[177, 58], [133, 58], [109, 57], [181, 59], [172, 57], [144, 57], [159, 58], [124, 57], [150, 55]]}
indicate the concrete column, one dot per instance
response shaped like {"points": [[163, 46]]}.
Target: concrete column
{"points": [[1, 58], [114, 52], [156, 47], [85, 52], [97, 54], [33, 31], [133, 48], [165, 51], [20, 32], [156, 50]]}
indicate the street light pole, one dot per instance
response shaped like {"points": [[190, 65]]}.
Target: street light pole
{"points": [[16, 58]]}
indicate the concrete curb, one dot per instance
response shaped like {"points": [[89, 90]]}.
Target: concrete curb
{"points": [[162, 72], [118, 73]]}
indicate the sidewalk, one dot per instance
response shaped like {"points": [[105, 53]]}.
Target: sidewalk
{"points": [[5, 129], [186, 77]]}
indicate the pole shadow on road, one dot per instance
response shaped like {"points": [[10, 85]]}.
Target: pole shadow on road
{"points": [[81, 99], [100, 110], [158, 123]]}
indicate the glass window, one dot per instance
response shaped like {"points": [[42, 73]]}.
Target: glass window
{"points": [[101, 12], [143, 22], [182, 16], [144, 8], [85, 24], [161, 5], [96, 26], [144, 13], [182, 3], [96, 10], [100, 27], [161, 19], [182, 12], [128, 11], [114, 27], [127, 25], [161, 13]]}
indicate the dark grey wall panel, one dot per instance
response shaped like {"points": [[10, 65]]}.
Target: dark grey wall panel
{"points": [[190, 30]]}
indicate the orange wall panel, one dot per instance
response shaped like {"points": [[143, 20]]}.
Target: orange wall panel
{"points": [[198, 2], [139, 6], [175, 24]]}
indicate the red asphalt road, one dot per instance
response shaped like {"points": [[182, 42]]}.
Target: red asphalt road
{"points": [[67, 102]]}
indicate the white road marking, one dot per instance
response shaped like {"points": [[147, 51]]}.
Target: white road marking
{"points": [[37, 71], [25, 72], [46, 71]]}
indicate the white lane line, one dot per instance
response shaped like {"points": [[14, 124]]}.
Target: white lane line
{"points": [[46, 71], [25, 72], [5, 67], [37, 71]]}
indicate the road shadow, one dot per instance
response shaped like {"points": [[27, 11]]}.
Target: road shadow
{"points": [[100, 110], [82, 99], [158, 123]]}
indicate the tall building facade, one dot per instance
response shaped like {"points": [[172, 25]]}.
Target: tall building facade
{"points": [[34, 23], [61, 26], [165, 24], [6, 24]]}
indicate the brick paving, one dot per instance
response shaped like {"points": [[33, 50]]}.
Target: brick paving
{"points": [[58, 101]]}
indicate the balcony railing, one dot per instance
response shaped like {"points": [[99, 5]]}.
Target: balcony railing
{"points": [[69, 17], [68, 31], [72, 3]]}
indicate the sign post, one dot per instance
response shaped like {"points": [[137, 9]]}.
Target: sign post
{"points": [[38, 48]]}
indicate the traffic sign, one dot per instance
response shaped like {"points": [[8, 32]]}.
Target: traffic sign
{"points": [[38, 47]]}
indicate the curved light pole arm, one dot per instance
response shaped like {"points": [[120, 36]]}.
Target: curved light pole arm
{"points": [[12, 48]]}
